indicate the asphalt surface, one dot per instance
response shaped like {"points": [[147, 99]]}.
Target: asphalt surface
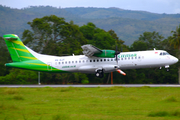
{"points": [[92, 86]]}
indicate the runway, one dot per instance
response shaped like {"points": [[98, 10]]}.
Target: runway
{"points": [[91, 86]]}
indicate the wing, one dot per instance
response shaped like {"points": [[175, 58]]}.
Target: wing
{"points": [[90, 50]]}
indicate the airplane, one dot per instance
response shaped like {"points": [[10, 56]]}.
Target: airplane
{"points": [[94, 60]]}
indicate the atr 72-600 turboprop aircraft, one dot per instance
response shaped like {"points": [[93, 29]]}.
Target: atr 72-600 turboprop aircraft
{"points": [[94, 60]]}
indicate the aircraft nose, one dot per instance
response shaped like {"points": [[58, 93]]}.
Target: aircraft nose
{"points": [[175, 60]]}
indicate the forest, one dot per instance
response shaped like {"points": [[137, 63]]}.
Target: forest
{"points": [[53, 35]]}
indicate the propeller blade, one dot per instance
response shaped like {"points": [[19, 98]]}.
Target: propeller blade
{"points": [[116, 53], [121, 72]]}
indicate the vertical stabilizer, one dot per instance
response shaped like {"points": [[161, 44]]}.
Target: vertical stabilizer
{"points": [[17, 49]]}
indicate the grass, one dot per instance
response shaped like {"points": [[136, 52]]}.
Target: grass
{"points": [[164, 113], [90, 103]]}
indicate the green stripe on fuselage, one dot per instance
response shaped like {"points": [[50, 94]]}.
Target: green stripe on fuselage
{"points": [[23, 58], [35, 65]]}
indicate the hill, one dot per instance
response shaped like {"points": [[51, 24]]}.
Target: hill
{"points": [[100, 13], [127, 24]]}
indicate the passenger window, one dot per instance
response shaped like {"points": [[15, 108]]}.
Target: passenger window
{"points": [[72, 61], [111, 59], [107, 59], [164, 53], [69, 62], [160, 53], [76, 61], [97, 60], [62, 62], [79, 61], [90, 60], [66, 62], [86, 60], [104, 59], [121, 58], [93, 60], [101, 60]]}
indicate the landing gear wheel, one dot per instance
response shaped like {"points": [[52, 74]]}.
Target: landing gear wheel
{"points": [[99, 74]]}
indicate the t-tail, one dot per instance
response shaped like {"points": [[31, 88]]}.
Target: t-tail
{"points": [[22, 56]]}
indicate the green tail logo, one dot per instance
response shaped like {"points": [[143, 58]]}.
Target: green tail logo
{"points": [[17, 49], [25, 58]]}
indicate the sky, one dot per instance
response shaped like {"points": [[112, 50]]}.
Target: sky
{"points": [[154, 6]]}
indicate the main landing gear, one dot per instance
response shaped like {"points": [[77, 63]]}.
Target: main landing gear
{"points": [[99, 73]]}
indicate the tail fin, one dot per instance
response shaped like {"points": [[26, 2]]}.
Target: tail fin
{"points": [[17, 49]]}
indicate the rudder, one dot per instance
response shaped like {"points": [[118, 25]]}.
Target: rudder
{"points": [[17, 49]]}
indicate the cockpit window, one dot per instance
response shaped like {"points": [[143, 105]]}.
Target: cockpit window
{"points": [[167, 53], [164, 53]]}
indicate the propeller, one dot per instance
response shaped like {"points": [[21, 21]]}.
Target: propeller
{"points": [[116, 56]]}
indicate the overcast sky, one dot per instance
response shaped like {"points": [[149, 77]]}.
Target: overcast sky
{"points": [[155, 6]]}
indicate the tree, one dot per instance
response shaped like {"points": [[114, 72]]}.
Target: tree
{"points": [[139, 46], [4, 57], [174, 40], [52, 35], [97, 37], [18, 76], [148, 41], [88, 30]]}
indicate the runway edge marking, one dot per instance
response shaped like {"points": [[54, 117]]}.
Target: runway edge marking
{"points": [[91, 86]]}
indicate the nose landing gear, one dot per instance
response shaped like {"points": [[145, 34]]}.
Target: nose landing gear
{"points": [[166, 66]]}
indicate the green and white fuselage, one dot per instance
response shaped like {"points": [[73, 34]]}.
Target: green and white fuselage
{"points": [[94, 60]]}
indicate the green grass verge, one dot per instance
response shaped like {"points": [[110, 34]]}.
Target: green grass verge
{"points": [[71, 103]]}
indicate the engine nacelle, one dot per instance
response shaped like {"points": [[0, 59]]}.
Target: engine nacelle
{"points": [[106, 54]]}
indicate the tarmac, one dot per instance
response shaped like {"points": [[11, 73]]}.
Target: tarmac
{"points": [[91, 86]]}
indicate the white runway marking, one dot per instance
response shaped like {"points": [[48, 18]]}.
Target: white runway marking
{"points": [[93, 86]]}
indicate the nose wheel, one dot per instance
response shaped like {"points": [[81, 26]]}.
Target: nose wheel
{"points": [[167, 67], [99, 73]]}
